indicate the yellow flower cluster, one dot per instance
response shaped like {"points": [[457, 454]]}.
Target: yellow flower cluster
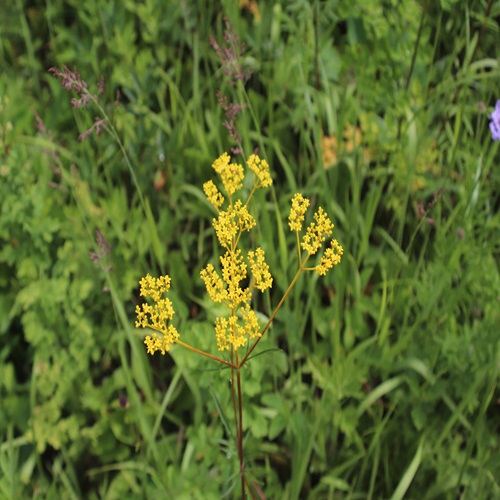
{"points": [[213, 284], [213, 194], [156, 316], [261, 170], [232, 222], [316, 234], [260, 270], [230, 333], [299, 208], [242, 325], [234, 271], [232, 175], [330, 258]]}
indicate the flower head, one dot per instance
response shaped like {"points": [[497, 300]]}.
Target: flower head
{"points": [[242, 324], [158, 315], [315, 236], [232, 222], [227, 287], [213, 284], [260, 270], [71, 80], [299, 208], [214, 196], [261, 170], [316, 232], [330, 258], [495, 122], [234, 271], [231, 173], [235, 332]]}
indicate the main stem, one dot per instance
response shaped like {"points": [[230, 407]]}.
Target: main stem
{"points": [[238, 417]]}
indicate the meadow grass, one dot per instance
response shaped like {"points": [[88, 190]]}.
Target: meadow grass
{"points": [[376, 381]]}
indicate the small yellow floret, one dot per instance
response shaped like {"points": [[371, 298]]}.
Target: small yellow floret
{"points": [[213, 284], [234, 270], [244, 218], [214, 196], [226, 228], [154, 343], [330, 258], [235, 333], [250, 322], [158, 315], [316, 232], [299, 208], [261, 169], [231, 174], [260, 269], [232, 221], [221, 334]]}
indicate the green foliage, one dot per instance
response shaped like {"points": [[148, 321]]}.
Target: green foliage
{"points": [[379, 381]]}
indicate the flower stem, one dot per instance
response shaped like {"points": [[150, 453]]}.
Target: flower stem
{"points": [[238, 415], [206, 354]]}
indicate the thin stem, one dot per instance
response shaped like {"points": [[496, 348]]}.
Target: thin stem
{"points": [[240, 425], [233, 397], [116, 137], [251, 195], [206, 354], [299, 253]]}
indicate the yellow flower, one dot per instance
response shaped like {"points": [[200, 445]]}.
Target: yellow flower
{"points": [[221, 325], [241, 324], [158, 315], [246, 221], [299, 208], [154, 343], [330, 258], [261, 169], [235, 334], [225, 227], [260, 270], [230, 333], [231, 222], [316, 232], [231, 174], [214, 196], [250, 322], [154, 287], [213, 284], [234, 270]]}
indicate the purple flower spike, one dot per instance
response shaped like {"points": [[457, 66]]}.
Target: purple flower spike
{"points": [[495, 123]]}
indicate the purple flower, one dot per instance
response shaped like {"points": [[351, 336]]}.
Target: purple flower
{"points": [[495, 123]]}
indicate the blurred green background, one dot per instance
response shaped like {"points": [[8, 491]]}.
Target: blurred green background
{"points": [[384, 380]]}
